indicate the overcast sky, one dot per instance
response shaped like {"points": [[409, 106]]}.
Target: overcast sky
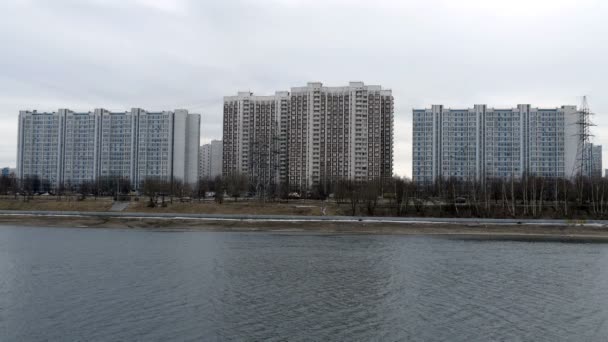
{"points": [[167, 54]]}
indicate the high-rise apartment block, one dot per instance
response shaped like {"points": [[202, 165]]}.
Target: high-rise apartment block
{"points": [[310, 136], [481, 143], [210, 160], [253, 136], [595, 159], [67, 147]]}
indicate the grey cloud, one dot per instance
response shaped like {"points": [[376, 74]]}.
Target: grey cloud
{"points": [[163, 54]]}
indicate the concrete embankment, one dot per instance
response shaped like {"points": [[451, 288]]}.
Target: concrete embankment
{"points": [[292, 218], [463, 227]]}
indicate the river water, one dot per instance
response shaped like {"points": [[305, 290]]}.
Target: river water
{"points": [[133, 285]]}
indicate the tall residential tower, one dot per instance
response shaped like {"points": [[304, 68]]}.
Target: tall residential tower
{"points": [[210, 160], [253, 136], [481, 143], [311, 136], [68, 147]]}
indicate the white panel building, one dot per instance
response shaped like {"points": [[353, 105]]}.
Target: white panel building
{"points": [[310, 136], [210, 160], [39, 147], [116, 153], [595, 169], [80, 155], [66, 147], [482, 143]]}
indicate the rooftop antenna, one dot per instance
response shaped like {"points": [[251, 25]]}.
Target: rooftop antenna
{"points": [[584, 159]]}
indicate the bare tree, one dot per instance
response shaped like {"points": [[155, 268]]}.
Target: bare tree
{"points": [[155, 187], [370, 191], [236, 183]]}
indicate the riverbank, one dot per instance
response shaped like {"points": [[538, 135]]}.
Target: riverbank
{"points": [[462, 228], [208, 206], [298, 208]]}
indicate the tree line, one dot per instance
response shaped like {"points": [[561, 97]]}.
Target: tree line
{"points": [[526, 197]]}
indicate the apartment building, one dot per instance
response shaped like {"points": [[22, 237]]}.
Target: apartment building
{"points": [[310, 136], [116, 155], [595, 169], [67, 147], [210, 160], [481, 143], [253, 138], [77, 150]]}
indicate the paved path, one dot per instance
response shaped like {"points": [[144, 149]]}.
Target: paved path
{"points": [[119, 206], [222, 217]]}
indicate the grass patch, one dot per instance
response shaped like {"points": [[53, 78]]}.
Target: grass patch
{"points": [[243, 207], [300, 207], [101, 204]]}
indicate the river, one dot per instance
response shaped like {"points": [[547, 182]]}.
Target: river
{"points": [[70, 284]]}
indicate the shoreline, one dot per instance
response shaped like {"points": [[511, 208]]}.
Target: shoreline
{"points": [[451, 228]]}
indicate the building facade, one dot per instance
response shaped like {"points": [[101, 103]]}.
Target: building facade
{"points": [[252, 136], [481, 143], [39, 145], [596, 161], [67, 147], [210, 160], [311, 136]]}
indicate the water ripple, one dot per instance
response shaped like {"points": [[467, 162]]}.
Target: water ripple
{"points": [[99, 285]]}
